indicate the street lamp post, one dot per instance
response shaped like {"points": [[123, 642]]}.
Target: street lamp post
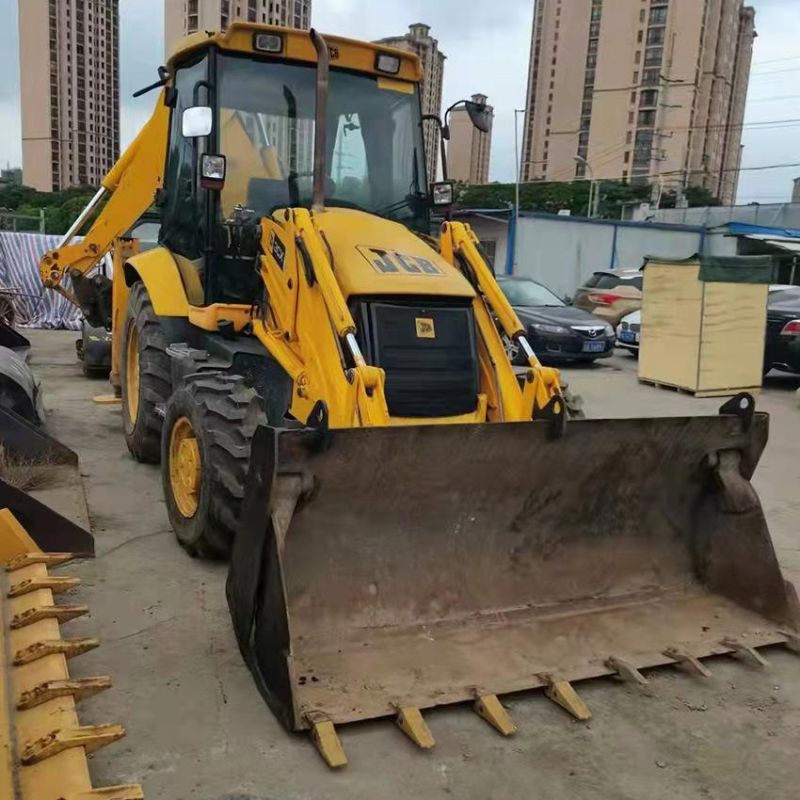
{"points": [[594, 193], [517, 166]]}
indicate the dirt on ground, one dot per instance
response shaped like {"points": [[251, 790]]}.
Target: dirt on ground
{"points": [[197, 727]]}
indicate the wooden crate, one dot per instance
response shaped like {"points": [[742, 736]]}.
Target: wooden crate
{"points": [[705, 336]]}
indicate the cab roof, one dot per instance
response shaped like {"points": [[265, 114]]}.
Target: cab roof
{"points": [[298, 46]]}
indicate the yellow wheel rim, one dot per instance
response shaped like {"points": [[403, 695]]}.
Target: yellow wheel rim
{"points": [[132, 373], [185, 470]]}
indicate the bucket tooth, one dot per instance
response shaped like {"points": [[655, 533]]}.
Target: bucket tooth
{"points": [[626, 670], [792, 641], [78, 689], [89, 737], [746, 652], [107, 400], [410, 721], [55, 583], [129, 792], [491, 709], [687, 662], [69, 648], [48, 559], [564, 694], [326, 740], [38, 613]]}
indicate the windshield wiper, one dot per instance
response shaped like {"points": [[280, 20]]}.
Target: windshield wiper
{"points": [[291, 178], [341, 203], [410, 200]]}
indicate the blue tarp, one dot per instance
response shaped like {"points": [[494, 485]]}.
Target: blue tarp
{"points": [[35, 306], [745, 229]]}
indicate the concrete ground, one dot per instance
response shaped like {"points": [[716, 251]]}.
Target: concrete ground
{"points": [[198, 729]]}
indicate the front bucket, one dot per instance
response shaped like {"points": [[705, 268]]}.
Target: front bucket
{"points": [[40, 484], [413, 567]]}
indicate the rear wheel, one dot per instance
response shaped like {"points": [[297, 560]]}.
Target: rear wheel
{"points": [[144, 375], [205, 455]]}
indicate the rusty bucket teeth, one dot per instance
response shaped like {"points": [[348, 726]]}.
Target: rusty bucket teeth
{"points": [[746, 652], [39, 726], [688, 662], [792, 641]]}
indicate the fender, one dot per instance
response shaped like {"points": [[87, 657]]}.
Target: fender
{"points": [[158, 271]]}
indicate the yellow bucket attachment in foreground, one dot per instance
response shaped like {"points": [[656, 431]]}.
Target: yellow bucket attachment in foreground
{"points": [[43, 746], [383, 571]]}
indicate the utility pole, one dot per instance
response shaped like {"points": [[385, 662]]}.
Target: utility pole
{"points": [[517, 166], [594, 189]]}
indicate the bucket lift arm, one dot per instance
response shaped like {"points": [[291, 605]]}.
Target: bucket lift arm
{"points": [[131, 187]]}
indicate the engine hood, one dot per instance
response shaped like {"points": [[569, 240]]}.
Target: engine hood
{"points": [[556, 315], [375, 256]]}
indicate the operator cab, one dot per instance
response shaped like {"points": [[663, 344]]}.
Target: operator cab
{"points": [[241, 147]]}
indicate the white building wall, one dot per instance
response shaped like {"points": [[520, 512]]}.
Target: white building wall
{"points": [[561, 252]]}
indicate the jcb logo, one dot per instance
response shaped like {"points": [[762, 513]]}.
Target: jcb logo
{"points": [[425, 329], [390, 261]]}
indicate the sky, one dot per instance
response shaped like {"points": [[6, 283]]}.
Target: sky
{"points": [[487, 46]]}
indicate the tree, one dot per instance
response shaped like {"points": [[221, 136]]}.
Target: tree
{"points": [[61, 208], [551, 197]]}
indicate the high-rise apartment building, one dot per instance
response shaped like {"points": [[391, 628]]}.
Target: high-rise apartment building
{"points": [[638, 90], [419, 40], [469, 149], [183, 17], [69, 87]]}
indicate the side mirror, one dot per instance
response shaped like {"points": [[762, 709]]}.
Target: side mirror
{"points": [[197, 121], [479, 115]]}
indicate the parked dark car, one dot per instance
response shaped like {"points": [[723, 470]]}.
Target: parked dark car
{"points": [[556, 332], [782, 346]]}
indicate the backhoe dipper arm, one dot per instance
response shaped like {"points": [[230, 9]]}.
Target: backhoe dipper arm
{"points": [[460, 246], [132, 184]]}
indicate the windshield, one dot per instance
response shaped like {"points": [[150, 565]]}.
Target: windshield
{"points": [[375, 159], [529, 293]]}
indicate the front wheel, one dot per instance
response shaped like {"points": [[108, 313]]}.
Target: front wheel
{"points": [[144, 376], [205, 455]]}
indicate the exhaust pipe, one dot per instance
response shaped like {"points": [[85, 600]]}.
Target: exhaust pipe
{"points": [[320, 120]]}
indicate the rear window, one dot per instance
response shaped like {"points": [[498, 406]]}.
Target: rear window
{"points": [[785, 296], [605, 280]]}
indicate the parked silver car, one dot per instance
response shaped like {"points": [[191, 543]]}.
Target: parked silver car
{"points": [[628, 332]]}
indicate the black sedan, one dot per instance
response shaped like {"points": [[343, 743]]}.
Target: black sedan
{"points": [[782, 346], [556, 332]]}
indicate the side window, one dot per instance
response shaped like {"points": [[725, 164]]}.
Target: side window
{"points": [[593, 281], [348, 170], [607, 282], [182, 215]]}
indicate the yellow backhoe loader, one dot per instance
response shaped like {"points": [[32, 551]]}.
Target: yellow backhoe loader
{"points": [[321, 374]]}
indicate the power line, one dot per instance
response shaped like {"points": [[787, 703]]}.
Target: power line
{"points": [[774, 72], [789, 122], [689, 172], [779, 97], [611, 152], [775, 60]]}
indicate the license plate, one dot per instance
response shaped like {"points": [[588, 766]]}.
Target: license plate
{"points": [[627, 336], [594, 347]]}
